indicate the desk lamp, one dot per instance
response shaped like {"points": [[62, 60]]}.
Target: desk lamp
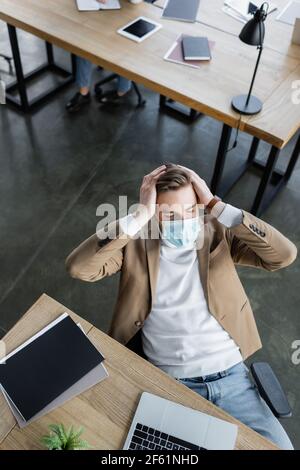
{"points": [[253, 33]]}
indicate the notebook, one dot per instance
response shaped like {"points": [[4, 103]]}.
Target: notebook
{"points": [[196, 48], [94, 5], [175, 54], [290, 13], [182, 10], [92, 378], [47, 365]]}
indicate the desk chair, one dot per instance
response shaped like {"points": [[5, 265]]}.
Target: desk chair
{"points": [[177, 110], [264, 377], [8, 60], [98, 91]]}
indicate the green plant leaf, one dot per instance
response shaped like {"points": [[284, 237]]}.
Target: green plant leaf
{"points": [[62, 439]]}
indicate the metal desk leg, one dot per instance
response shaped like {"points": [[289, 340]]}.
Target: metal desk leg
{"points": [[19, 72], [220, 161], [266, 177], [222, 188], [22, 102], [272, 181], [293, 160]]}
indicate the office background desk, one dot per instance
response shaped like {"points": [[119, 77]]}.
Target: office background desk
{"points": [[278, 109], [107, 409], [93, 36]]}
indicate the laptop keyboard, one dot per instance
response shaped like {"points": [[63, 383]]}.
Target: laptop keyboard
{"points": [[145, 438]]}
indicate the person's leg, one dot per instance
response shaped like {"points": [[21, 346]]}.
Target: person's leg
{"points": [[83, 75], [124, 86], [116, 96], [196, 386], [83, 80], [236, 394]]}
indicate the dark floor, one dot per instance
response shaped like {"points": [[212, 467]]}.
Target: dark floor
{"points": [[55, 169]]}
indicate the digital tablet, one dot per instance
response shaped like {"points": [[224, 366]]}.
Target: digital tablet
{"points": [[139, 29]]}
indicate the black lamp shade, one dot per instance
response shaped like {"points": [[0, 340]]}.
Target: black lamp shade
{"points": [[253, 32]]}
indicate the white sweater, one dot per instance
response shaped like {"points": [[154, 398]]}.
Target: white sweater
{"points": [[180, 335]]}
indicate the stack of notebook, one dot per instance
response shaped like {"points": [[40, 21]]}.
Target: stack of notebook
{"points": [[53, 366], [190, 51]]}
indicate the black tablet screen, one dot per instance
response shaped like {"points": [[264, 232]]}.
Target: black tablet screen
{"points": [[139, 28]]}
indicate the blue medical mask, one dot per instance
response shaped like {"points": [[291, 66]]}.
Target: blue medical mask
{"points": [[181, 232]]}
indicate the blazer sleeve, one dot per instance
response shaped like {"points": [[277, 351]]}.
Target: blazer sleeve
{"points": [[100, 255], [256, 243]]}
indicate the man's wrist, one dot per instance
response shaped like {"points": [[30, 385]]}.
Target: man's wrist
{"points": [[212, 203], [218, 209]]}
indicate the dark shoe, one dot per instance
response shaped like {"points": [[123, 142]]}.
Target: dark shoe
{"points": [[112, 97], [77, 102]]}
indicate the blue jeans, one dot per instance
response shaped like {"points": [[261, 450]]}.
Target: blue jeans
{"points": [[233, 391], [84, 75]]}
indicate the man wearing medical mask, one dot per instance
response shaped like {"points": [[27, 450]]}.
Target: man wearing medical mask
{"points": [[180, 296]]}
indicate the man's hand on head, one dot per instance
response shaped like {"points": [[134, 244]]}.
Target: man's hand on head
{"points": [[148, 195], [201, 189]]}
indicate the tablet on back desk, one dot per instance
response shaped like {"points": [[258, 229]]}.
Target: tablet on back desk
{"points": [[139, 29]]}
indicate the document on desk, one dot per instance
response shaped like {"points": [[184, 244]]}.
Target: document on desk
{"points": [[181, 10], [243, 10], [94, 5], [290, 13], [53, 366]]}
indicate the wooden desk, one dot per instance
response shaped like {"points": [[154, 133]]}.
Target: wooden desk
{"points": [[278, 38], [278, 35], [93, 36], [107, 409], [278, 109], [208, 90]]}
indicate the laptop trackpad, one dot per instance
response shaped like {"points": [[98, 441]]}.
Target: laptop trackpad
{"points": [[185, 423]]}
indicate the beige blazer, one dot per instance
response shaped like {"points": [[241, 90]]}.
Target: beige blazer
{"points": [[252, 243]]}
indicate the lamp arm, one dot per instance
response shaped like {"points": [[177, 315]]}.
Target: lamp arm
{"points": [[260, 47], [254, 74]]}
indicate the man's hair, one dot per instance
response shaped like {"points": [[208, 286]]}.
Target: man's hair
{"points": [[173, 179]]}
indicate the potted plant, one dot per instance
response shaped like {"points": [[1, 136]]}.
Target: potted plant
{"points": [[61, 438]]}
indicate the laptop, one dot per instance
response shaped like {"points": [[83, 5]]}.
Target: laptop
{"points": [[160, 424], [179, 10]]}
